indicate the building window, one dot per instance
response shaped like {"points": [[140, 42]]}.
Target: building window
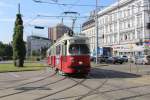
{"points": [[129, 24], [120, 14], [139, 6], [125, 37], [133, 9], [139, 33], [139, 20], [115, 27], [115, 38]]}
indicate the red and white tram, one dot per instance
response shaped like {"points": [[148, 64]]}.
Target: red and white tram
{"points": [[70, 55]]}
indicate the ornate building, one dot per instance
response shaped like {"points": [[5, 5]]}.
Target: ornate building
{"points": [[123, 26]]}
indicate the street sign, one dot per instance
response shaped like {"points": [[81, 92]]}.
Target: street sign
{"points": [[38, 27]]}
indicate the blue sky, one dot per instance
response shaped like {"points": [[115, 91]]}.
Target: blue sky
{"points": [[30, 9]]}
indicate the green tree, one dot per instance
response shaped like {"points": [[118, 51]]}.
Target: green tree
{"points": [[2, 49], [6, 51], [19, 49], [43, 52]]}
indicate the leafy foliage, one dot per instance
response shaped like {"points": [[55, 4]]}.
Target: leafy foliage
{"points": [[43, 52], [5, 51], [19, 49]]}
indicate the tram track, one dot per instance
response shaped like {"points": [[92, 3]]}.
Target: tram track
{"points": [[23, 91], [96, 90], [76, 83], [62, 90], [118, 88], [76, 96], [80, 97], [92, 91], [29, 82], [17, 80]]}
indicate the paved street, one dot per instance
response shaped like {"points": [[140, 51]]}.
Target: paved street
{"points": [[105, 82]]}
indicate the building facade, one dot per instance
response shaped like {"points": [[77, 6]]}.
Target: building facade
{"points": [[123, 26], [36, 43], [88, 28], [57, 31]]}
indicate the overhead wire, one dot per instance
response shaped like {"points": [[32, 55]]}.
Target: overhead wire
{"points": [[69, 4], [32, 19], [62, 16]]}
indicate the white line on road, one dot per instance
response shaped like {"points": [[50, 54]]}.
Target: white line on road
{"points": [[14, 75]]}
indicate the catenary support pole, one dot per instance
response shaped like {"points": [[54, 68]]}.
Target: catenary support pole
{"points": [[96, 28]]}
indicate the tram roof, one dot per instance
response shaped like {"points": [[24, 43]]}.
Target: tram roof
{"points": [[67, 37]]}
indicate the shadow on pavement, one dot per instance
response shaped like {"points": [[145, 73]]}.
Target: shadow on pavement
{"points": [[104, 73]]}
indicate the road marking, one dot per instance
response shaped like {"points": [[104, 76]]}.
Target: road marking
{"points": [[14, 75]]}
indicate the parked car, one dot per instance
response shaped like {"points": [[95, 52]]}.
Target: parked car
{"points": [[145, 59], [115, 60], [102, 59], [125, 58]]}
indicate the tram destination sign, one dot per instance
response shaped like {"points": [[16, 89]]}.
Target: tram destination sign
{"points": [[78, 41]]}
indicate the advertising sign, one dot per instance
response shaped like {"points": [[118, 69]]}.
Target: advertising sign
{"points": [[147, 44]]}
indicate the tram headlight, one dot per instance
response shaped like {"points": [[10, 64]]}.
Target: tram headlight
{"points": [[80, 62]]}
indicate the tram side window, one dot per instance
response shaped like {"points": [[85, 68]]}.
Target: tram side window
{"points": [[64, 51], [54, 51], [79, 49], [50, 53], [58, 48]]}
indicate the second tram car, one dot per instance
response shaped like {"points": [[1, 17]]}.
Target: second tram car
{"points": [[70, 55]]}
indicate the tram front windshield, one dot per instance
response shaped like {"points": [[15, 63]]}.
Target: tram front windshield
{"points": [[78, 49]]}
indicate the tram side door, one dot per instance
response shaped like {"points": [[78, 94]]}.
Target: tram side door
{"points": [[64, 56], [58, 56]]}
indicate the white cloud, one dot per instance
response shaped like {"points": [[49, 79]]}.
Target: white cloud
{"points": [[40, 22], [3, 4], [7, 20], [44, 22]]}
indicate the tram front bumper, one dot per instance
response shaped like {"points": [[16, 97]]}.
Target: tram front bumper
{"points": [[79, 69]]}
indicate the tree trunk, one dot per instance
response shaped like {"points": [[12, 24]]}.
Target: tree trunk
{"points": [[19, 63]]}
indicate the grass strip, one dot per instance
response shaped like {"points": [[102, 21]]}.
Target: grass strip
{"points": [[27, 67]]}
